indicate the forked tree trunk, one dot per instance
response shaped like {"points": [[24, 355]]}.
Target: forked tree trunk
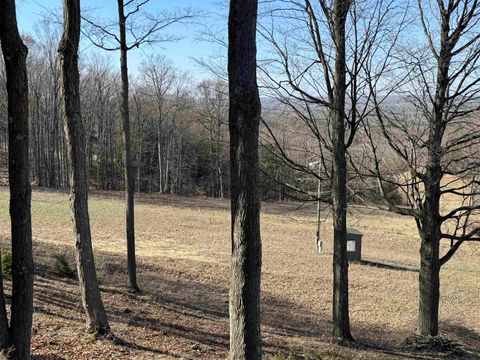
{"points": [[75, 136], [127, 154], [15, 55], [341, 322], [244, 119]]}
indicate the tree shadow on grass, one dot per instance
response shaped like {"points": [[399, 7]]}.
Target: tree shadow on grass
{"points": [[194, 314], [468, 337], [457, 342], [180, 308], [134, 346], [387, 266]]}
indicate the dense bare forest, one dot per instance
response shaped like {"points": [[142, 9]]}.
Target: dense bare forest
{"points": [[179, 131]]}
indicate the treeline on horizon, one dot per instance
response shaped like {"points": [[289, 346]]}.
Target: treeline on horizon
{"points": [[179, 125]]}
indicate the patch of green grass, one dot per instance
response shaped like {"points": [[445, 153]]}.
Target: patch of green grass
{"points": [[62, 267], [6, 264], [45, 206], [111, 208], [55, 206]]}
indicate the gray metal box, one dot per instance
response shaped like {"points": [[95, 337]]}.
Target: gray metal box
{"points": [[354, 245]]}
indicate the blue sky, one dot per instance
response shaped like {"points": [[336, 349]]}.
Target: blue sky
{"points": [[29, 12]]}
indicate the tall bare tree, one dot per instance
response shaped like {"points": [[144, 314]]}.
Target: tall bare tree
{"points": [[75, 133], [128, 165], [15, 57], [147, 29], [244, 120], [341, 320], [315, 73], [160, 76], [48, 37], [98, 90], [433, 134], [212, 114]]}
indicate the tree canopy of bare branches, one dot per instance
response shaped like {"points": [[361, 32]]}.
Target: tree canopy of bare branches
{"points": [[430, 125]]}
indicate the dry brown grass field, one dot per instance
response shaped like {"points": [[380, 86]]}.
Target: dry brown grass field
{"points": [[183, 248]]}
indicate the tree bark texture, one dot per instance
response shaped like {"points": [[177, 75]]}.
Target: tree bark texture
{"points": [[75, 136], [341, 322], [15, 56], [244, 119]]}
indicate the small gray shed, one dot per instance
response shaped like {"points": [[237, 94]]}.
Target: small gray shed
{"points": [[354, 245]]}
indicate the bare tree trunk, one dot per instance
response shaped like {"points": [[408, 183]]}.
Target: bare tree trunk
{"points": [[213, 166], [139, 167], [178, 188], [220, 180], [167, 166], [52, 180], [57, 145], [429, 275], [129, 170], [429, 288], [160, 168], [319, 205], [341, 322], [15, 55], [219, 157], [75, 134], [244, 119], [140, 142]]}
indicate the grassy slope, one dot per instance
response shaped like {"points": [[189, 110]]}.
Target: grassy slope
{"points": [[183, 250]]}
